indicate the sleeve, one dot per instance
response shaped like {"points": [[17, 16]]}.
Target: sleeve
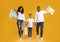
{"points": [[36, 17], [45, 11]]}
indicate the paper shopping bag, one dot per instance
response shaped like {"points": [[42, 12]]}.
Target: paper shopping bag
{"points": [[13, 14], [50, 9]]}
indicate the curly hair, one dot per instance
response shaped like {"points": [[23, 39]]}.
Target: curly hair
{"points": [[20, 8]]}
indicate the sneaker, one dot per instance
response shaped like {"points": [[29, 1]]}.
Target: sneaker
{"points": [[20, 38], [29, 38], [41, 38]]}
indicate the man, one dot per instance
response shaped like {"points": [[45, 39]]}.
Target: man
{"points": [[39, 20]]}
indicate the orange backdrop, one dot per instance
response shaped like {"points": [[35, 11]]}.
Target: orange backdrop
{"points": [[9, 30]]}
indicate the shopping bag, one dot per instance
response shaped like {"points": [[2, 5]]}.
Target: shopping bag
{"points": [[50, 9], [13, 13]]}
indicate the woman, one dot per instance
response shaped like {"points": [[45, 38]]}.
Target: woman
{"points": [[20, 20]]}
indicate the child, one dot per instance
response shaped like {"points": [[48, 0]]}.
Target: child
{"points": [[39, 19], [20, 20], [30, 22]]}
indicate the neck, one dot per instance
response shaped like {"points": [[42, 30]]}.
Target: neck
{"points": [[21, 12], [38, 11], [30, 17]]}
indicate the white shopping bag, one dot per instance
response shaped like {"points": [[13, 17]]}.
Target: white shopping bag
{"points": [[13, 14], [50, 9]]}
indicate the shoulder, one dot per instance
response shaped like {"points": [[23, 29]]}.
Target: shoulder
{"points": [[23, 14], [20, 13], [32, 19], [36, 13], [28, 19], [42, 10]]}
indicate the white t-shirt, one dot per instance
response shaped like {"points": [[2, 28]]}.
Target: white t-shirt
{"points": [[39, 17], [21, 16], [30, 22]]}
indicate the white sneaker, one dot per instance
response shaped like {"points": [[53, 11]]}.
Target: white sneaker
{"points": [[20, 38], [29, 38], [41, 38]]}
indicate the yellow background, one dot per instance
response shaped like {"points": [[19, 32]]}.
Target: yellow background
{"points": [[9, 30]]}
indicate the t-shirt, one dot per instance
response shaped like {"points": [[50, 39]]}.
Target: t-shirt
{"points": [[30, 22], [39, 17], [21, 16]]}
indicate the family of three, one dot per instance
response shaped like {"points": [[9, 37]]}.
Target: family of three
{"points": [[38, 21]]}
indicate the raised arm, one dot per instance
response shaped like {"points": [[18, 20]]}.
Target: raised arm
{"points": [[46, 11]]}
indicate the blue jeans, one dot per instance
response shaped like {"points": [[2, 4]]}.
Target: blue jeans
{"points": [[20, 24], [41, 29], [29, 31]]}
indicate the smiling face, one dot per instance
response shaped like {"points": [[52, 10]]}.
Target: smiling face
{"points": [[38, 8], [21, 9]]}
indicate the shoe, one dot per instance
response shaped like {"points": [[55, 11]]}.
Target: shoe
{"points": [[41, 38], [20, 38], [29, 38]]}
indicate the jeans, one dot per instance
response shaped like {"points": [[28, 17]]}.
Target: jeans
{"points": [[41, 29], [29, 32], [20, 24]]}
